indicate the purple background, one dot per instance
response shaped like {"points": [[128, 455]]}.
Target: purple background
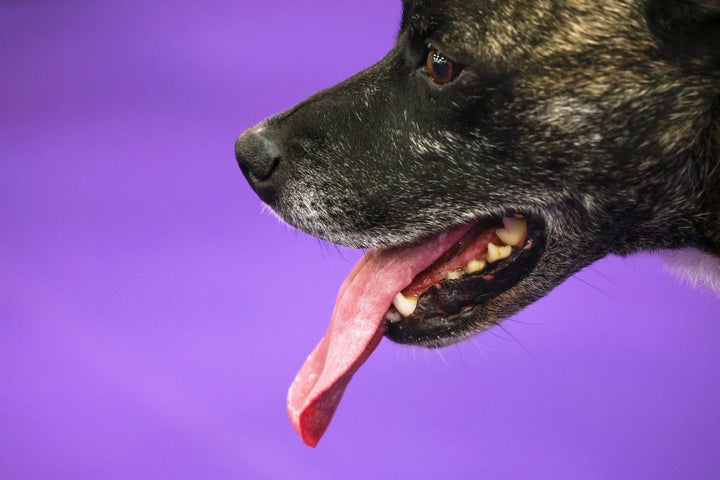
{"points": [[152, 316]]}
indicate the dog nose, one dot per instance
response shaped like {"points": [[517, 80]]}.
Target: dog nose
{"points": [[257, 155]]}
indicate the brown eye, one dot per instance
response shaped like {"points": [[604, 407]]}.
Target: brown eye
{"points": [[441, 69]]}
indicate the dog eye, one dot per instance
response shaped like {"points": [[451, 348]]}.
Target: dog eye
{"points": [[441, 69]]}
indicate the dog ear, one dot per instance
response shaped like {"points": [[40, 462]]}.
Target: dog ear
{"points": [[690, 27]]}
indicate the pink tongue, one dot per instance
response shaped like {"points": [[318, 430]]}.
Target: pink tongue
{"points": [[356, 328]]}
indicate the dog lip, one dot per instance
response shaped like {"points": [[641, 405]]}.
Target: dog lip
{"points": [[455, 309]]}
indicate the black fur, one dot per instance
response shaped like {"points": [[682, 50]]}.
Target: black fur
{"points": [[599, 119]]}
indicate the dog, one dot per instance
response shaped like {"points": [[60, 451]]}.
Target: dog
{"points": [[498, 148]]}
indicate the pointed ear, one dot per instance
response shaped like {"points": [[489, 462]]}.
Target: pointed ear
{"points": [[690, 27]]}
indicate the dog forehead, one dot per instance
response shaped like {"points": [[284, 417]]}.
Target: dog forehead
{"points": [[481, 29], [460, 27], [425, 17], [506, 29]]}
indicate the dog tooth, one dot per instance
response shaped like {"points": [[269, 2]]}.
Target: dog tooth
{"points": [[496, 253], [475, 266], [406, 306], [393, 317], [455, 274], [514, 232]]}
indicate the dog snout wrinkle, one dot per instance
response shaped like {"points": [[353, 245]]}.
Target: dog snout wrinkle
{"points": [[257, 155]]}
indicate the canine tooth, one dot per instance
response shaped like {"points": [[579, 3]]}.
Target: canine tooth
{"points": [[455, 274], [475, 266], [496, 253], [514, 232], [406, 306]]}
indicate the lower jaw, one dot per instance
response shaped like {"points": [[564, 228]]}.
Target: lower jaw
{"points": [[440, 331], [454, 310]]}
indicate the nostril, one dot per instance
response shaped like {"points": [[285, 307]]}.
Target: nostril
{"points": [[257, 155]]}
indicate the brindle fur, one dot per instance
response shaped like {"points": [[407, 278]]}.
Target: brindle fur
{"points": [[602, 118]]}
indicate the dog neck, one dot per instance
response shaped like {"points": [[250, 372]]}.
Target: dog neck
{"points": [[700, 266], [694, 267], [711, 227]]}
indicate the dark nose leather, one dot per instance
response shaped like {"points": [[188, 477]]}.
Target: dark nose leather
{"points": [[257, 155]]}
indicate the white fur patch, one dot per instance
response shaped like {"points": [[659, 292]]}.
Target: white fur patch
{"points": [[694, 266]]}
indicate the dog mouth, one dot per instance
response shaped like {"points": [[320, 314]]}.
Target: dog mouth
{"points": [[492, 256], [428, 293]]}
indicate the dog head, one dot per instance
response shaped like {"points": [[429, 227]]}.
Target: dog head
{"points": [[598, 123]]}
